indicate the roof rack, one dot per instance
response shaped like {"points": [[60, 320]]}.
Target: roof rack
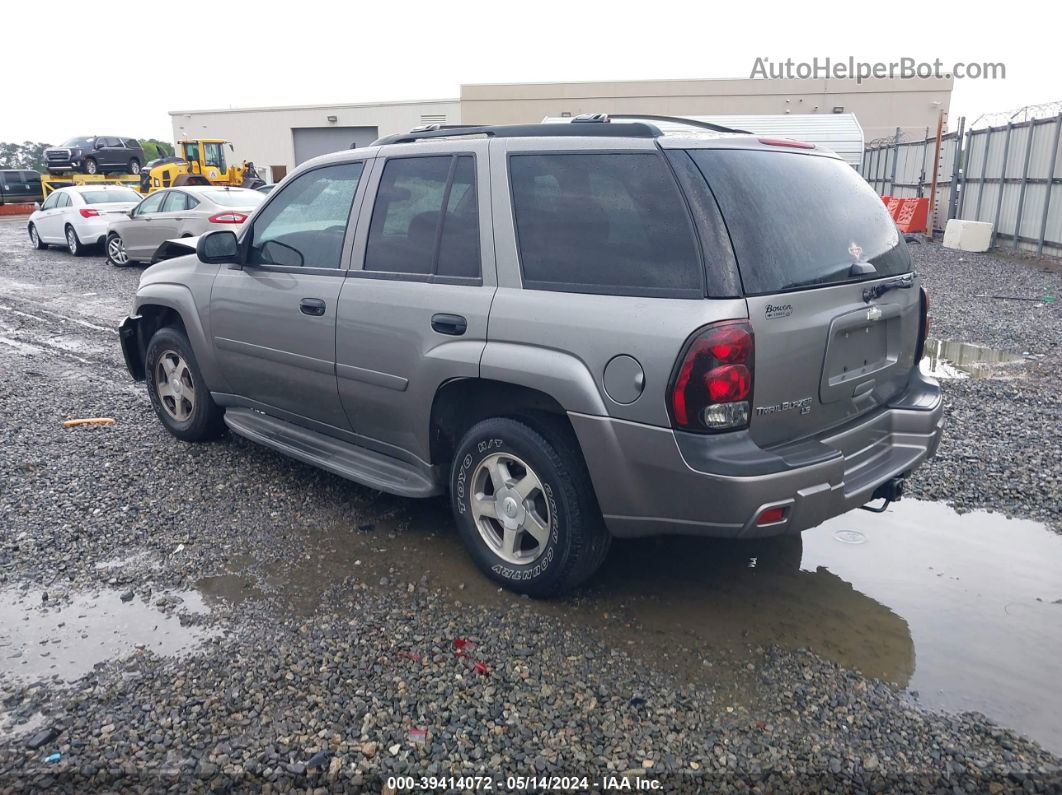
{"points": [[703, 125], [602, 125], [601, 128]]}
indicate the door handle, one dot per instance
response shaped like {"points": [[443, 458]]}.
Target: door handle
{"points": [[312, 306], [454, 325]]}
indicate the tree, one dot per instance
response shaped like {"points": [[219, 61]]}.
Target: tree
{"points": [[154, 148], [28, 155]]}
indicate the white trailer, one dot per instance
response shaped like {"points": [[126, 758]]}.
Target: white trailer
{"points": [[838, 132]]}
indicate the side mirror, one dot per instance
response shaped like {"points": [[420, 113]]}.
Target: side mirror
{"points": [[219, 248], [36, 205]]}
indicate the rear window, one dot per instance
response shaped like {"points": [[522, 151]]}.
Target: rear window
{"points": [[110, 196], [235, 198], [603, 223], [800, 220]]}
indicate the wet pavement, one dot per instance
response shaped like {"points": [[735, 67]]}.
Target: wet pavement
{"points": [[62, 637], [957, 359], [964, 610]]}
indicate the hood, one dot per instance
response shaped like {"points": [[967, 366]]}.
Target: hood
{"points": [[179, 247], [182, 269]]}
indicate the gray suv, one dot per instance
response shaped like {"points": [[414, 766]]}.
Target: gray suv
{"points": [[578, 331]]}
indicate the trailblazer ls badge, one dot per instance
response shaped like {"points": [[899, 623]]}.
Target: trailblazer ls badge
{"points": [[803, 405]]}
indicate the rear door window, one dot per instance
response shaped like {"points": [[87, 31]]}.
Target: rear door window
{"points": [[176, 202], [800, 221], [425, 219], [603, 223]]}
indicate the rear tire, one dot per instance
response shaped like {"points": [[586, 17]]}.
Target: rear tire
{"points": [[73, 243], [134, 166], [116, 254], [525, 507], [178, 393], [35, 239]]}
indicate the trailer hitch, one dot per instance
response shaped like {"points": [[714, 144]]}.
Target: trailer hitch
{"points": [[890, 491]]}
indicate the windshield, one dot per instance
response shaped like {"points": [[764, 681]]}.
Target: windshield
{"points": [[235, 197], [110, 196], [800, 220], [75, 143]]}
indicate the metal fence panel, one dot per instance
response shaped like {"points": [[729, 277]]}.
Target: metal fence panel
{"points": [[1009, 176]]}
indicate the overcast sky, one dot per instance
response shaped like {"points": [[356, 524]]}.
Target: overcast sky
{"points": [[235, 54]]}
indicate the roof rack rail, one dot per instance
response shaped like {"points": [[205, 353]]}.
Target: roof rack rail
{"points": [[703, 125], [550, 130]]}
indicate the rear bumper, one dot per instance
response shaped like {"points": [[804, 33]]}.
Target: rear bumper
{"points": [[653, 481]]}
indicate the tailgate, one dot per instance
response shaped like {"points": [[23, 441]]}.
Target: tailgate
{"points": [[825, 356], [810, 236]]}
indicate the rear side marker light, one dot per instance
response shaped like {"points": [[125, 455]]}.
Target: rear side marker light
{"points": [[711, 389], [85, 213], [228, 218], [786, 142], [770, 516]]}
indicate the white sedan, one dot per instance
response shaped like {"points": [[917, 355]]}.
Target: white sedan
{"points": [[187, 211], [78, 217]]}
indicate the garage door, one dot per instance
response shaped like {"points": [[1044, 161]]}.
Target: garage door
{"points": [[314, 141]]}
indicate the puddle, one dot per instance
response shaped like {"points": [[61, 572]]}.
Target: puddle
{"points": [[954, 359], [66, 640], [961, 609]]}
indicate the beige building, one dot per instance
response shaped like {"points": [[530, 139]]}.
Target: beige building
{"points": [[278, 138], [880, 105]]}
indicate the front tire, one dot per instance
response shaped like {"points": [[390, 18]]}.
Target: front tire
{"points": [[35, 238], [91, 167], [73, 243], [525, 507], [116, 253], [178, 393]]}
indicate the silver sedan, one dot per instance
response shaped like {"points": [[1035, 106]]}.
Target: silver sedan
{"points": [[175, 213]]}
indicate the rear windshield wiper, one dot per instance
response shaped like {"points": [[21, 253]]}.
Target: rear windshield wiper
{"points": [[904, 282]]}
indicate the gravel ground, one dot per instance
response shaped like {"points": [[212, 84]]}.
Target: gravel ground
{"points": [[1002, 446], [313, 680]]}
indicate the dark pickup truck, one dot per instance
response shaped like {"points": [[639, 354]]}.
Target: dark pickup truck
{"points": [[20, 186]]}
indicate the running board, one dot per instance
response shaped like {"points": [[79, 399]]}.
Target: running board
{"points": [[364, 466]]}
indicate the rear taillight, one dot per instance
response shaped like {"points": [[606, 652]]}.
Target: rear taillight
{"points": [[711, 389], [86, 213], [786, 142], [923, 324], [228, 218]]}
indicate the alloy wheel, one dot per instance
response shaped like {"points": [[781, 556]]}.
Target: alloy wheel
{"points": [[71, 240], [116, 251], [174, 386], [510, 508], [34, 237]]}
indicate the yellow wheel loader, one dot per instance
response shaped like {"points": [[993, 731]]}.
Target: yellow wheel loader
{"points": [[200, 162]]}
